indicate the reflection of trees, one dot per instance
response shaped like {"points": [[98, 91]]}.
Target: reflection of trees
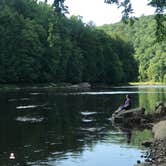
{"points": [[130, 135], [148, 99], [139, 136], [62, 131]]}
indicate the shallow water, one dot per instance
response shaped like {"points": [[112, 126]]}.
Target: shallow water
{"points": [[46, 127]]}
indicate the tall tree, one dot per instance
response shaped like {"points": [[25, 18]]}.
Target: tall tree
{"points": [[60, 7]]}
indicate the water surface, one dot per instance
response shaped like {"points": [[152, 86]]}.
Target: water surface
{"points": [[46, 127]]}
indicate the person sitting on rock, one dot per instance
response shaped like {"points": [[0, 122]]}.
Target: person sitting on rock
{"points": [[126, 106]]}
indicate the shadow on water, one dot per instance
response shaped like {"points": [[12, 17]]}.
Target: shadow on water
{"points": [[45, 127]]}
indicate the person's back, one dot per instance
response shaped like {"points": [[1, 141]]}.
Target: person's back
{"points": [[127, 104]]}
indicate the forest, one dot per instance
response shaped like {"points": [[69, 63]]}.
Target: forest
{"points": [[150, 54], [40, 45]]}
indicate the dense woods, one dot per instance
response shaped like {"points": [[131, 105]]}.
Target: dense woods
{"points": [[150, 54], [38, 44]]}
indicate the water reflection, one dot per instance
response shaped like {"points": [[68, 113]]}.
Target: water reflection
{"points": [[45, 127], [29, 119]]}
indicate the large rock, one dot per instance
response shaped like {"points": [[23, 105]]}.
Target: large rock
{"points": [[160, 108], [82, 86], [159, 130], [128, 116]]}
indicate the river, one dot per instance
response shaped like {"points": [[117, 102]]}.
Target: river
{"points": [[46, 127]]}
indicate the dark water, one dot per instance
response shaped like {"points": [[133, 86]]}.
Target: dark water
{"points": [[46, 127]]}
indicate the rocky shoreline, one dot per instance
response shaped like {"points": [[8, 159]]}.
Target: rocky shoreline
{"points": [[156, 155], [136, 118]]}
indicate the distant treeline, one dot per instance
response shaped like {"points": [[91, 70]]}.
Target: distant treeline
{"points": [[38, 45], [151, 55]]}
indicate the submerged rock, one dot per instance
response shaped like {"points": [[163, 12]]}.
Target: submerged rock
{"points": [[147, 143]]}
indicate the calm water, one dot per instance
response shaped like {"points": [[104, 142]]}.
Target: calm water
{"points": [[50, 128]]}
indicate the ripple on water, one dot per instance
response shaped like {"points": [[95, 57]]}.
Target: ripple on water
{"points": [[10, 100], [56, 153], [88, 113], [29, 106], [24, 99], [21, 99], [29, 119], [87, 120], [115, 92], [140, 86], [91, 129], [26, 106], [36, 93]]}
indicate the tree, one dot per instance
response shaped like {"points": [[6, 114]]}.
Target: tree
{"points": [[160, 6], [149, 54], [40, 45], [60, 7]]}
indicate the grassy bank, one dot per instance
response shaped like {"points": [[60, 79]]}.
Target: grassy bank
{"points": [[147, 83]]}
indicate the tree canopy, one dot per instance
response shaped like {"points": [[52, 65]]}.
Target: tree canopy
{"points": [[149, 54], [160, 6], [40, 45]]}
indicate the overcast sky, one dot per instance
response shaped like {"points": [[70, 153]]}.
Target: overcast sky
{"points": [[101, 13]]}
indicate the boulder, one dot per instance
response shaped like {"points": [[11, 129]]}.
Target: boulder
{"points": [[132, 116], [159, 130], [82, 86], [160, 108]]}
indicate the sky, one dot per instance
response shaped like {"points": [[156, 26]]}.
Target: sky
{"points": [[101, 13]]}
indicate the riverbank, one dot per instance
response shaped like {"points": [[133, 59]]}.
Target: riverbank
{"points": [[147, 83], [156, 155], [156, 121], [58, 86], [79, 86]]}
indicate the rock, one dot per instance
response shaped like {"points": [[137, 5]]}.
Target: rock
{"points": [[143, 164], [159, 130], [82, 86], [129, 116], [160, 108], [163, 164], [147, 143]]}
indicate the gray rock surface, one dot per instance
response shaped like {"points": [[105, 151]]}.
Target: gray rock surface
{"points": [[159, 130]]}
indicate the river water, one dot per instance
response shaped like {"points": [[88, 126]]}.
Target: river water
{"points": [[46, 127]]}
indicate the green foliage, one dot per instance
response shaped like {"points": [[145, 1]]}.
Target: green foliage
{"points": [[149, 98], [38, 44], [160, 6], [59, 6], [149, 53]]}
